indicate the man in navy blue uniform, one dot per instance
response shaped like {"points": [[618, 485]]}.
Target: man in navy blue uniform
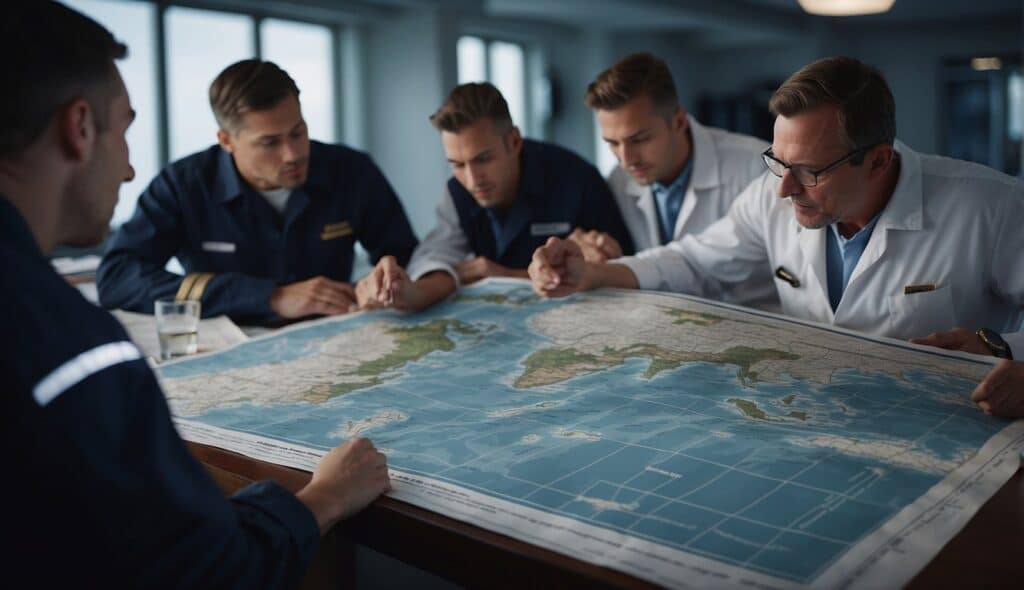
{"points": [[263, 223], [506, 197], [98, 486]]}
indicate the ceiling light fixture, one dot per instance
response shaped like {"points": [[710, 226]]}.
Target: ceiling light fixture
{"points": [[845, 7]]}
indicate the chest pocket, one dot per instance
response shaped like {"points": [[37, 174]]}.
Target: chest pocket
{"points": [[806, 301], [919, 314]]}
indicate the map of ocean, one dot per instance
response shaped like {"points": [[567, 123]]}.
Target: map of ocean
{"points": [[743, 438]]}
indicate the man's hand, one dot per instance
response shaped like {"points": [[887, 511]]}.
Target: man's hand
{"points": [[471, 271], [345, 481], [387, 285], [558, 269], [955, 339], [315, 296], [596, 246], [1001, 392]]}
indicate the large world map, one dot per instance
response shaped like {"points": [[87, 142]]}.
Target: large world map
{"points": [[682, 441]]}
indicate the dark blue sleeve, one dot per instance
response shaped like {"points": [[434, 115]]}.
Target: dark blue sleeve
{"points": [[99, 483], [599, 211], [384, 227], [131, 275], [144, 512]]}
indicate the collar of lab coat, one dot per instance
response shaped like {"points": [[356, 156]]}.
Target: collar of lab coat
{"points": [[905, 209], [704, 157]]}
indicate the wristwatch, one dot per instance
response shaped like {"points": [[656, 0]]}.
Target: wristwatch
{"points": [[995, 343]]}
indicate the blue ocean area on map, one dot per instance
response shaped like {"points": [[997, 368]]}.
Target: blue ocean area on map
{"points": [[780, 477]]}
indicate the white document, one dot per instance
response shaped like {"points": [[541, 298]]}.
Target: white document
{"points": [[214, 333]]}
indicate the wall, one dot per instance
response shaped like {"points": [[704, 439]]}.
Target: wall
{"points": [[911, 60], [411, 67], [909, 57]]}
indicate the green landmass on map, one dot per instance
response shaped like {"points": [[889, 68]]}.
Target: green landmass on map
{"points": [[750, 409], [682, 316], [554, 365], [412, 344]]}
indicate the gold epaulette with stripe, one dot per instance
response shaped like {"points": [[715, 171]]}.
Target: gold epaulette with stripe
{"points": [[192, 286]]}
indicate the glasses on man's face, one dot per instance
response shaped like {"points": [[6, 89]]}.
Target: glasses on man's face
{"points": [[803, 174]]}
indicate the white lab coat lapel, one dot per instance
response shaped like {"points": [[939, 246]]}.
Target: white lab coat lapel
{"points": [[643, 200], [703, 176], [904, 211], [812, 244]]}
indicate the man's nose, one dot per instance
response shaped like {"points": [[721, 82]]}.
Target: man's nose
{"points": [[475, 176], [291, 151], [629, 154], [789, 185]]}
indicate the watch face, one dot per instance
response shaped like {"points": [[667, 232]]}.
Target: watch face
{"points": [[994, 342]]}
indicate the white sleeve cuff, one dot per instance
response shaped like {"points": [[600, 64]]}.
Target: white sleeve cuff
{"points": [[420, 268], [646, 271]]}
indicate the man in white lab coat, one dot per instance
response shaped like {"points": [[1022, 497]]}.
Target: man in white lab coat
{"points": [[675, 176], [859, 230]]}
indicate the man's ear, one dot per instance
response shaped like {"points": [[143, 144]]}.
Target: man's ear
{"points": [[76, 129], [879, 158], [515, 141], [679, 120], [224, 139]]}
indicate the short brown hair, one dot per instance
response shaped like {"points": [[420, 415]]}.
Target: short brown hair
{"points": [[56, 55], [248, 85], [468, 103], [867, 111], [634, 75]]}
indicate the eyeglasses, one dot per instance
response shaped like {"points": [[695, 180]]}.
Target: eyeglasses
{"points": [[803, 174]]}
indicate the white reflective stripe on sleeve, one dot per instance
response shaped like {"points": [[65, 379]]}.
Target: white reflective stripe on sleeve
{"points": [[91, 361]]}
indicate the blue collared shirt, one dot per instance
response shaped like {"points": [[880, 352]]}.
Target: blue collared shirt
{"points": [[670, 201], [841, 258], [236, 247], [507, 224]]}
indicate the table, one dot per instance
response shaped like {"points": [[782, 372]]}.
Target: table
{"points": [[986, 553]]}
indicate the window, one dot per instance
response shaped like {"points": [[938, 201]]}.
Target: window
{"points": [[200, 43], [472, 58], [134, 24], [606, 160], [502, 64], [305, 52], [982, 111], [508, 73]]}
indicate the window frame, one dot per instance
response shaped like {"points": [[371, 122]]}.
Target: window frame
{"points": [[535, 119]]}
